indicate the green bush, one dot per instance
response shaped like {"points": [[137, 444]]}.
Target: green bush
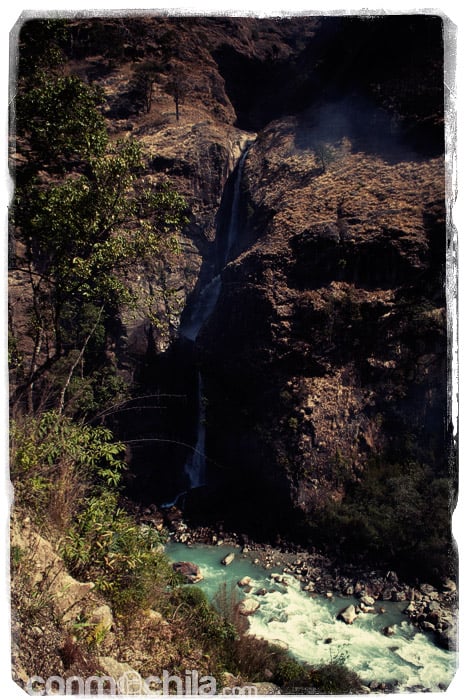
{"points": [[386, 517], [106, 546], [290, 673], [335, 679], [204, 621], [56, 463], [66, 477]]}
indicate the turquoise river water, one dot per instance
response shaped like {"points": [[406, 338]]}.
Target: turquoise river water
{"points": [[305, 623]]}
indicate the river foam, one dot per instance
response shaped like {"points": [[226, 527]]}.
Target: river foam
{"points": [[308, 625]]}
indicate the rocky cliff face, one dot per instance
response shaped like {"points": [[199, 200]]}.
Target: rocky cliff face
{"points": [[334, 349], [327, 346]]}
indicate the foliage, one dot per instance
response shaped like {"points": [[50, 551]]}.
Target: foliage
{"points": [[78, 229], [82, 211], [66, 476], [105, 545], [141, 88], [58, 117], [204, 623], [335, 679], [386, 516], [177, 87], [41, 44], [54, 463]]}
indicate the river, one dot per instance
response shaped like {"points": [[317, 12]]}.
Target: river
{"points": [[307, 624]]}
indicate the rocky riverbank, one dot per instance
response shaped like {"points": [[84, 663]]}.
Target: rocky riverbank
{"points": [[432, 609]]}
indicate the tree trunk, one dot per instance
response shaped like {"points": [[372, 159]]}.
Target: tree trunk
{"points": [[61, 403]]}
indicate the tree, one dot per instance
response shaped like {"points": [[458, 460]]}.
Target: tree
{"points": [[83, 214], [142, 85], [177, 87], [324, 155]]}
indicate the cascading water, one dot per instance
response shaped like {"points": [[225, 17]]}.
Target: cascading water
{"points": [[233, 228], [195, 467], [206, 300], [203, 308]]}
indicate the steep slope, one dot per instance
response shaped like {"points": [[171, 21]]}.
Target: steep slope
{"points": [[327, 347], [335, 346]]}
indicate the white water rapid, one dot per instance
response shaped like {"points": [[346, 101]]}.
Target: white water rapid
{"points": [[309, 627]]}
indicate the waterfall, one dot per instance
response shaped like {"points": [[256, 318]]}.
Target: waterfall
{"points": [[195, 465], [233, 228], [203, 307], [206, 301]]}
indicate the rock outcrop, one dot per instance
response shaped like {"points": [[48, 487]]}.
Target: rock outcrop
{"points": [[48, 577], [335, 346]]}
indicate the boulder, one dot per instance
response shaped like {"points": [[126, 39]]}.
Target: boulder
{"points": [[68, 596], [433, 606], [265, 688], [127, 679], [367, 608], [388, 631], [411, 608], [449, 586], [261, 591], [428, 626], [154, 617], [367, 600], [248, 606], [228, 559], [245, 581], [190, 571], [392, 577], [447, 638], [348, 615]]}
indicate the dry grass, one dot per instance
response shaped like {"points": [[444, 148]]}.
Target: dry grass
{"points": [[372, 189]]}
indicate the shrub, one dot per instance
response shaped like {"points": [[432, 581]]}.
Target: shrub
{"points": [[203, 619], [107, 546], [66, 476], [55, 463], [335, 679], [290, 672]]}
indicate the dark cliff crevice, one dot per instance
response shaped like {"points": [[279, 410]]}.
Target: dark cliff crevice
{"points": [[260, 90], [381, 62]]}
